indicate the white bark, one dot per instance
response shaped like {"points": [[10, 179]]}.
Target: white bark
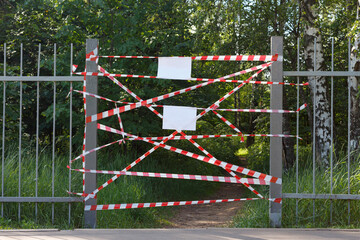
{"points": [[354, 88], [317, 84]]}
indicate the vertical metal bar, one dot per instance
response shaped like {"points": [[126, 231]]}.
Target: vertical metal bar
{"points": [[332, 128], [297, 131], [349, 125], [314, 129], [276, 122], [3, 136], [37, 133], [91, 132], [70, 130], [20, 132], [53, 142]]}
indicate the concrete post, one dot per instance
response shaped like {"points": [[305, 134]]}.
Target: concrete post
{"points": [[276, 127], [91, 132]]}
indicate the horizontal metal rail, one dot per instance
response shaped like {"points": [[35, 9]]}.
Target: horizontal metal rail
{"points": [[321, 74], [42, 78], [321, 196], [80, 79], [41, 199]]}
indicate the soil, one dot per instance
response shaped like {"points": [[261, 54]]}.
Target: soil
{"points": [[210, 215]]}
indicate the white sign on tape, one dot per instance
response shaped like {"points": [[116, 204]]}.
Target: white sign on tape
{"points": [[179, 118], [174, 68]]}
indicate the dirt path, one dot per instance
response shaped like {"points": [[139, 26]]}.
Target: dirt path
{"points": [[210, 215]]}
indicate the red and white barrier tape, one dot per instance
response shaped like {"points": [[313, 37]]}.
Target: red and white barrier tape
{"points": [[212, 157], [159, 204], [218, 109], [179, 176], [252, 82], [84, 140], [216, 136], [180, 138], [222, 164], [229, 124], [263, 58], [112, 130], [168, 204], [84, 153], [152, 100], [245, 184], [129, 91], [121, 109], [214, 106], [97, 96], [82, 194], [103, 74], [217, 103], [130, 165], [120, 123]]}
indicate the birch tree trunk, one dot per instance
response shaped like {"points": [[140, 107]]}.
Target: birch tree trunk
{"points": [[318, 85], [354, 87]]}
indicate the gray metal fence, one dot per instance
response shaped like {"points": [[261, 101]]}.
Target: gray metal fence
{"points": [[330, 195], [35, 198], [275, 127]]}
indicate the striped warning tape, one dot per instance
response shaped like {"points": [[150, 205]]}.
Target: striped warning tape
{"points": [[84, 139], [212, 157], [121, 109], [229, 124], [129, 91], [130, 165], [103, 74], [120, 123], [84, 153], [182, 152], [217, 103], [178, 138], [263, 58], [252, 82], [217, 136], [218, 109], [245, 184], [159, 204], [179, 176], [222, 164], [97, 96], [168, 204]]}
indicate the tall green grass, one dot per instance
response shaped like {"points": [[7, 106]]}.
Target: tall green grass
{"points": [[256, 213], [126, 189]]}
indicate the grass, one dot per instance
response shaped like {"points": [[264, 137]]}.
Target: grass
{"points": [[256, 213], [127, 189]]}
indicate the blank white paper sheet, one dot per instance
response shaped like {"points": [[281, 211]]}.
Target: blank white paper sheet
{"points": [[174, 68], [179, 118]]}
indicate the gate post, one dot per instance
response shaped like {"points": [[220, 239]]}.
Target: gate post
{"points": [[91, 131], [276, 127]]}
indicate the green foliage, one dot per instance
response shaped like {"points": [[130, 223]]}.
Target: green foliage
{"points": [[259, 156], [124, 190], [254, 211], [161, 28]]}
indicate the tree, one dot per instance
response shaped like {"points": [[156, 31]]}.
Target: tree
{"points": [[318, 86], [354, 83]]}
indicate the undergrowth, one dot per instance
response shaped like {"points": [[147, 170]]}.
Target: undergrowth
{"points": [[256, 213], [126, 189]]}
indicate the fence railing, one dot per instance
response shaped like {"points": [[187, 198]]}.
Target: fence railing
{"points": [[330, 195], [276, 155], [28, 80]]}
